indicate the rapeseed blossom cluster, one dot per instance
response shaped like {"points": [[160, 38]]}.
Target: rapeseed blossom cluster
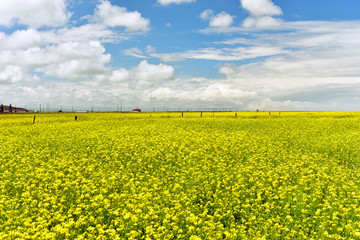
{"points": [[173, 176]]}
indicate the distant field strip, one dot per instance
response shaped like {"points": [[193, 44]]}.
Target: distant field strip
{"points": [[191, 175]]}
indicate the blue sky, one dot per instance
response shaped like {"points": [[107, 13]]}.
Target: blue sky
{"points": [[181, 54]]}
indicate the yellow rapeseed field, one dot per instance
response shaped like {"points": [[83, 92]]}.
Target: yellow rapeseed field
{"points": [[164, 176]]}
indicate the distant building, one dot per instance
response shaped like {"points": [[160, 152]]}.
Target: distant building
{"points": [[11, 109]]}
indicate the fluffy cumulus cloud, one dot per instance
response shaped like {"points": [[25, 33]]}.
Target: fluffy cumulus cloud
{"points": [[21, 39], [222, 19], [141, 77], [147, 75], [168, 2], [61, 54], [71, 60], [120, 75], [15, 74], [261, 13], [74, 60], [115, 16], [35, 13], [261, 7], [72, 53]]}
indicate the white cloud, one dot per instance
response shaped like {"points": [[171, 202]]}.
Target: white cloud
{"points": [[222, 54], [75, 53], [221, 30], [261, 7], [220, 20], [262, 22], [308, 66], [168, 2], [87, 32], [242, 41], [212, 93], [171, 57], [150, 49], [134, 52], [204, 95], [321, 67], [21, 39], [120, 75], [11, 74], [207, 15], [114, 16], [261, 12], [147, 75], [71, 60], [150, 72], [15, 74], [35, 13], [62, 53], [144, 76]]}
